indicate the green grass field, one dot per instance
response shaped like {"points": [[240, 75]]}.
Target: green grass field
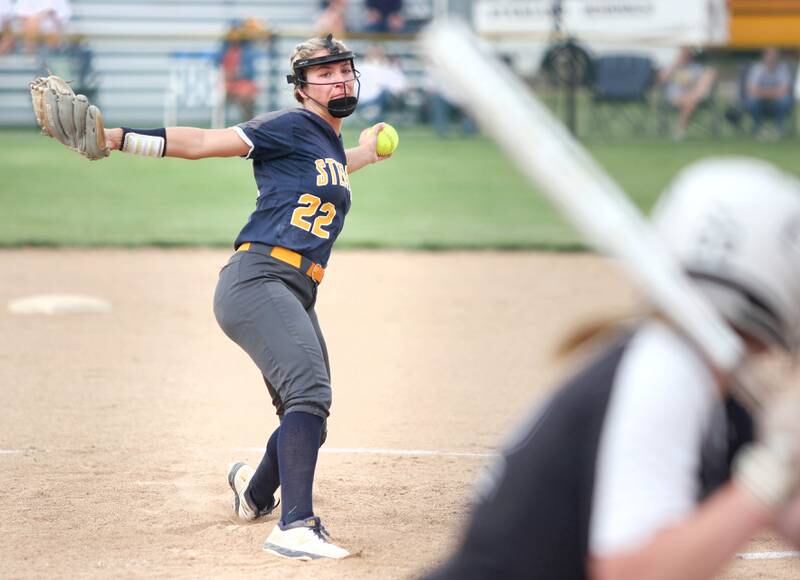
{"points": [[452, 193]]}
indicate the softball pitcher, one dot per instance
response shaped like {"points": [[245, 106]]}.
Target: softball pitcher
{"points": [[266, 293]]}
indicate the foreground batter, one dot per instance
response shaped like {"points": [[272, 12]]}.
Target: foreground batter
{"points": [[644, 465], [266, 293]]}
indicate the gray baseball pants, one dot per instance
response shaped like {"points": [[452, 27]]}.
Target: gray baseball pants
{"points": [[267, 308]]}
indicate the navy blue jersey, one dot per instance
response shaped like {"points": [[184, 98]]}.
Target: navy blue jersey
{"points": [[300, 168]]}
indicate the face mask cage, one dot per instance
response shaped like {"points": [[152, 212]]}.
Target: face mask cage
{"points": [[339, 107], [303, 81]]}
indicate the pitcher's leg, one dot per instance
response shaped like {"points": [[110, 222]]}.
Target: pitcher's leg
{"points": [[269, 322], [271, 325], [298, 448], [267, 477]]}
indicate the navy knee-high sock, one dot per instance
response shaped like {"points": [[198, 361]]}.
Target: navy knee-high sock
{"points": [[267, 477], [298, 447]]}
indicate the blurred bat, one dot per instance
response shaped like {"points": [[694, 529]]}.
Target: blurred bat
{"points": [[551, 158]]}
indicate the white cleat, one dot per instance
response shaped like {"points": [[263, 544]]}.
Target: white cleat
{"points": [[303, 540], [239, 476]]}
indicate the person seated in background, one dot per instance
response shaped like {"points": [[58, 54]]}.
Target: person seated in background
{"points": [[382, 85], [6, 27], [687, 83], [237, 58], [384, 16], [42, 23], [445, 107], [768, 91], [332, 19]]}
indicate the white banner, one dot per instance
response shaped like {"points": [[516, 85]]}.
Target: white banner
{"points": [[675, 22]]}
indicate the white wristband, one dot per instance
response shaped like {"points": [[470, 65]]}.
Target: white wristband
{"points": [[146, 145]]}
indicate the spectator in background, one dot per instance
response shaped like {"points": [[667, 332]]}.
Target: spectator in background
{"points": [[687, 83], [6, 30], [444, 106], [332, 19], [768, 90], [384, 16], [42, 22], [237, 58], [382, 85]]}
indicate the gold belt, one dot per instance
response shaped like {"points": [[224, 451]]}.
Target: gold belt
{"points": [[311, 269]]}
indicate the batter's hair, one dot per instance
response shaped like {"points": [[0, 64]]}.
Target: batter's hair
{"points": [[306, 50], [599, 330], [606, 328]]}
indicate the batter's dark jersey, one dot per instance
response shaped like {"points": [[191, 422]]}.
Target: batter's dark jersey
{"points": [[300, 168], [535, 523]]}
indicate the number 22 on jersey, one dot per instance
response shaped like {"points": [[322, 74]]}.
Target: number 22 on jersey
{"points": [[309, 204]]}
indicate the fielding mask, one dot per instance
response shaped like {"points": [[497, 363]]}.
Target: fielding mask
{"points": [[340, 107]]}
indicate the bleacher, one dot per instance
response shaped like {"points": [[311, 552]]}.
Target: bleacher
{"points": [[136, 45], [15, 103], [183, 18]]}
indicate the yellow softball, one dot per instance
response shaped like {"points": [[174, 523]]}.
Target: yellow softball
{"points": [[388, 140]]}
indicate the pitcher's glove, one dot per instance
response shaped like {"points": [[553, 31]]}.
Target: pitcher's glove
{"points": [[68, 117]]}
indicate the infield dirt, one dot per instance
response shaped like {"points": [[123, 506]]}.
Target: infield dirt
{"points": [[117, 428]]}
